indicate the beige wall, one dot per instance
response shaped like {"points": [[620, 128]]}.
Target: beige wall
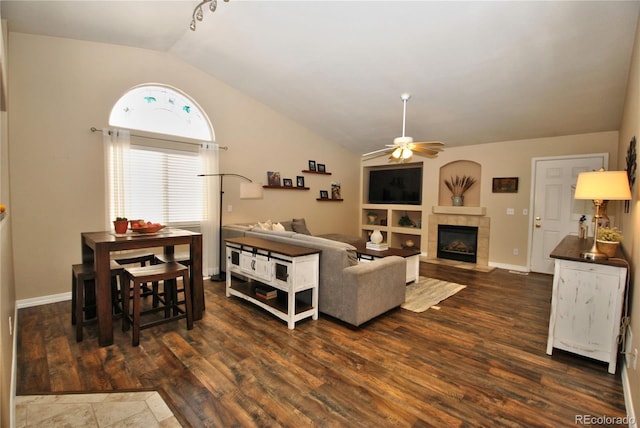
{"points": [[7, 288], [507, 159], [60, 88], [629, 128]]}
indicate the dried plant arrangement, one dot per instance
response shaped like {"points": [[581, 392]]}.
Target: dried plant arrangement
{"points": [[458, 185]]}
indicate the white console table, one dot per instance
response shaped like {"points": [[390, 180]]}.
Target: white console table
{"points": [[287, 268], [586, 303]]}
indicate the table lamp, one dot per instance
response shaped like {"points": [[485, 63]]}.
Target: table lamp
{"points": [[600, 186]]}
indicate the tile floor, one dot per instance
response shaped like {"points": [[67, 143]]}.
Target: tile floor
{"points": [[125, 409]]}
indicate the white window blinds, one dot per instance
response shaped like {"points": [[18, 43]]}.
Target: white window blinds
{"points": [[163, 186]]}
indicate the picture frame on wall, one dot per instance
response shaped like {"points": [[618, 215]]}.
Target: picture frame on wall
{"points": [[321, 167], [505, 185], [287, 182], [312, 165], [273, 178], [300, 181], [324, 194]]}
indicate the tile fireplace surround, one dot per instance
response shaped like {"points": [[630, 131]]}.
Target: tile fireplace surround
{"points": [[460, 216]]}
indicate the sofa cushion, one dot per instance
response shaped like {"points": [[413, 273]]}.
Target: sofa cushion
{"points": [[328, 244], [300, 226], [266, 232]]}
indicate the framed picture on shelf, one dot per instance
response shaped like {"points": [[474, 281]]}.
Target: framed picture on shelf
{"points": [[324, 194], [312, 165], [287, 182], [321, 167], [505, 185], [273, 178], [335, 191], [300, 181]]}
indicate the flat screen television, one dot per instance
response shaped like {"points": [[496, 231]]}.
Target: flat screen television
{"points": [[396, 186]]}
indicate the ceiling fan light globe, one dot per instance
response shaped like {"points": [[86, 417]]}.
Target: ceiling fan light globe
{"points": [[397, 152], [403, 140], [406, 153]]}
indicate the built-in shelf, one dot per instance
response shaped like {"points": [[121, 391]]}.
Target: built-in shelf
{"points": [[308, 171], [459, 210], [285, 187], [329, 200]]}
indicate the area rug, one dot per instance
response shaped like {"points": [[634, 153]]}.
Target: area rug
{"points": [[428, 292]]}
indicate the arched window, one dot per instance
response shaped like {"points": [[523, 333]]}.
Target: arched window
{"points": [[162, 110]]}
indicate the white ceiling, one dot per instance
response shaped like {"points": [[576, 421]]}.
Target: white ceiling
{"points": [[478, 71]]}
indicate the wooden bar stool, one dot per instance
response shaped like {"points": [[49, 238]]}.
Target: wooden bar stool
{"points": [[168, 273], [83, 293], [130, 257], [183, 258], [141, 258]]}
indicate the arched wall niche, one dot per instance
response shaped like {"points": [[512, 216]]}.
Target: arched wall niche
{"points": [[460, 168]]}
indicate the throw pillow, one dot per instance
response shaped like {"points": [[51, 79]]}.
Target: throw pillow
{"points": [[267, 225], [300, 226], [278, 227]]}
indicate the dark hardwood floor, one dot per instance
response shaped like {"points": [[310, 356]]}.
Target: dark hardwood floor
{"points": [[478, 361]]}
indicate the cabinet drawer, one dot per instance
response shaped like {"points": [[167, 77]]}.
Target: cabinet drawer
{"points": [[257, 265]]}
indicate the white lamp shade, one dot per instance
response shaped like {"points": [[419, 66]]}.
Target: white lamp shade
{"points": [[250, 190], [603, 185]]}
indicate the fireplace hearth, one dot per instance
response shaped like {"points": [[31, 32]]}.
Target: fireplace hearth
{"points": [[458, 243]]}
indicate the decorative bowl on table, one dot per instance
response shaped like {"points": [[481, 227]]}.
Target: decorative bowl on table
{"points": [[148, 228]]}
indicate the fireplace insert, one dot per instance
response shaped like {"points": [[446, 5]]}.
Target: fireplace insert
{"points": [[458, 243]]}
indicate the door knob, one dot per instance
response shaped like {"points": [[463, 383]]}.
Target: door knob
{"points": [[538, 221]]}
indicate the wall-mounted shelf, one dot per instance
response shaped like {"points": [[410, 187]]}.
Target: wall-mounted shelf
{"points": [[284, 187], [308, 171], [329, 200]]}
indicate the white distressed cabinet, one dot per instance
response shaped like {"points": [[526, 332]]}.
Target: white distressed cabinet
{"points": [[586, 304], [288, 268]]}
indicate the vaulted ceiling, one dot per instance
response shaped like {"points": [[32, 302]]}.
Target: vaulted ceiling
{"points": [[478, 71]]}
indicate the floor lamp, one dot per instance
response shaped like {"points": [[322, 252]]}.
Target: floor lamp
{"points": [[248, 190], [600, 186]]}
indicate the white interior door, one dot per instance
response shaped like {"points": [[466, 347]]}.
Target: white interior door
{"points": [[555, 213]]}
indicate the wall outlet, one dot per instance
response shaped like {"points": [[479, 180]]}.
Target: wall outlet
{"points": [[229, 208], [511, 211], [516, 252]]}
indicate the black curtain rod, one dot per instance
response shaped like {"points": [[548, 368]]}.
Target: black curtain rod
{"points": [[94, 129]]}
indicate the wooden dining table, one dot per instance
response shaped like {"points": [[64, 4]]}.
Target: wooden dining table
{"points": [[97, 248]]}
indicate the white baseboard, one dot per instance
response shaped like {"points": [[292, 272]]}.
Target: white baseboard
{"points": [[628, 402], [516, 268], [43, 300]]}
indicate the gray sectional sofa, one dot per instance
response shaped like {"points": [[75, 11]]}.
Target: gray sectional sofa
{"points": [[351, 291]]}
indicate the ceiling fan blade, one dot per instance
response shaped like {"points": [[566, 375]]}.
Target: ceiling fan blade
{"points": [[428, 152], [430, 143], [376, 152]]}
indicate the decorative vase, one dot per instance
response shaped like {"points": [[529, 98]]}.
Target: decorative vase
{"points": [[376, 237], [457, 200], [608, 247], [121, 226]]}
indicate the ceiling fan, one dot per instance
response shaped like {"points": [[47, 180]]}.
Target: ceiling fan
{"points": [[403, 147]]}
